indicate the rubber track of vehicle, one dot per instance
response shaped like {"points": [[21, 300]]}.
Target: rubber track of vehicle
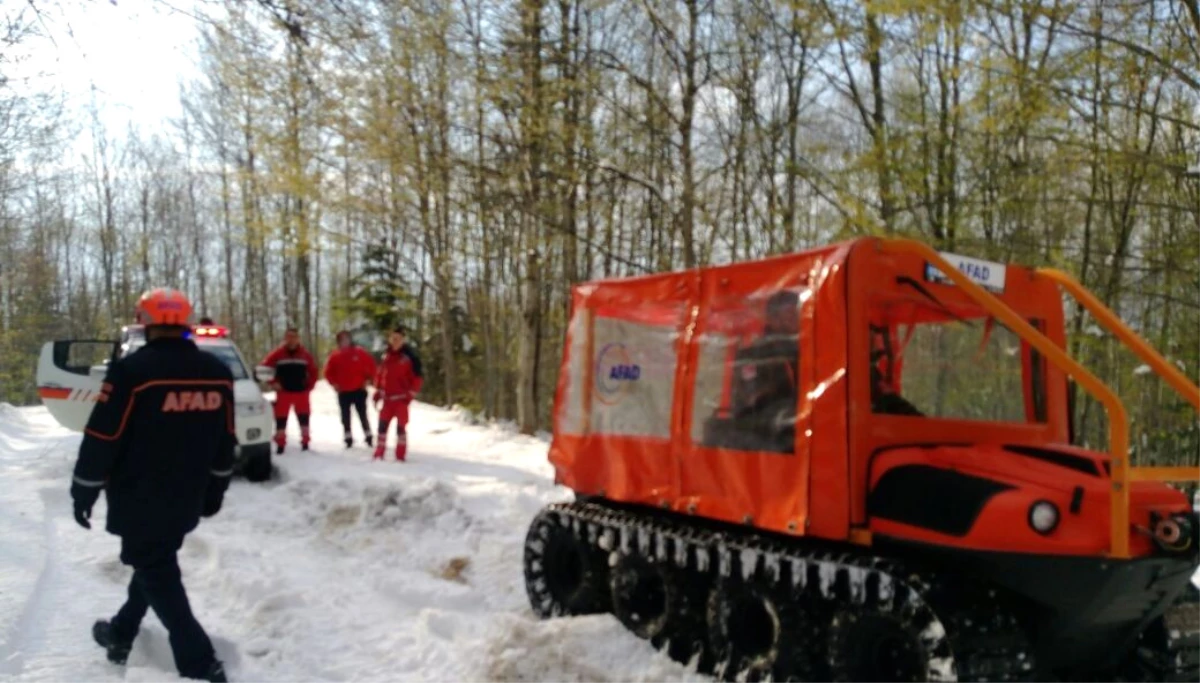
{"points": [[1182, 655], [995, 646]]}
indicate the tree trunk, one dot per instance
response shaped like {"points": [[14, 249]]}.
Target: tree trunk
{"points": [[883, 168], [527, 413]]}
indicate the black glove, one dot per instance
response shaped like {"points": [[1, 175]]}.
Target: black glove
{"points": [[84, 498], [214, 495]]}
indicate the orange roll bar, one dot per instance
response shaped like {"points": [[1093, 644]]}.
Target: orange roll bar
{"points": [[1151, 357], [1164, 473], [1178, 381]]}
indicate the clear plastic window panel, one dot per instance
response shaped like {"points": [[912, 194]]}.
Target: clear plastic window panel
{"points": [[571, 417], [633, 375], [958, 370], [748, 374]]}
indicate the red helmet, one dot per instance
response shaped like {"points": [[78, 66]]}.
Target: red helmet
{"points": [[164, 306]]}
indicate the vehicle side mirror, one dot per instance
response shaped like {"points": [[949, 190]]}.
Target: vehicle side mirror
{"points": [[264, 373], [99, 371]]}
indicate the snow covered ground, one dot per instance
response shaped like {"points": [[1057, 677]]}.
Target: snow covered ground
{"points": [[342, 569]]}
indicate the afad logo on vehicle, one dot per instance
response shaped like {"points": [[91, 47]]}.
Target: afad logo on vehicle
{"points": [[615, 373]]}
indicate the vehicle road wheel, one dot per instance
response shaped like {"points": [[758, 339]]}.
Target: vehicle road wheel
{"points": [[563, 575], [756, 635], [642, 595], [662, 604], [258, 467], [866, 645]]}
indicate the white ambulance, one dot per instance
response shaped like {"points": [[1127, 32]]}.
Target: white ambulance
{"points": [[70, 372]]}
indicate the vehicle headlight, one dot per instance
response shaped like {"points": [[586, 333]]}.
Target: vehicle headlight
{"points": [[1043, 516], [251, 409]]}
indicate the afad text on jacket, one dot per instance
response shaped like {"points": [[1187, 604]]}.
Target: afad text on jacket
{"points": [[160, 438]]}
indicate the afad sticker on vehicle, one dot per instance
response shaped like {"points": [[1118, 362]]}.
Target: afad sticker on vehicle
{"points": [[615, 373], [986, 274]]}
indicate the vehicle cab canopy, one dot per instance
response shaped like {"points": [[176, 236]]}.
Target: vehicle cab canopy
{"points": [[755, 392]]}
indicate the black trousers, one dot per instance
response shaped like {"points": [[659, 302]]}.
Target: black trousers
{"points": [[158, 584], [358, 399]]}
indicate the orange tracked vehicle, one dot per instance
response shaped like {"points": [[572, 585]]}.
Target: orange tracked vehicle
{"points": [[854, 463]]}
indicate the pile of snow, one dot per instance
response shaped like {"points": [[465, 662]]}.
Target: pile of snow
{"points": [[340, 569]]}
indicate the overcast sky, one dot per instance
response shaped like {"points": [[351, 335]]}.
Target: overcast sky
{"points": [[135, 53]]}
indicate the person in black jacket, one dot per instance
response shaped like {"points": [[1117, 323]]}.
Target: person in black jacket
{"points": [[160, 443], [295, 376]]}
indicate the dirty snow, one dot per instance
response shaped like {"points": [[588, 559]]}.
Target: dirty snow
{"points": [[342, 569]]}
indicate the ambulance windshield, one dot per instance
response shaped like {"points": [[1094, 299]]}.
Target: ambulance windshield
{"points": [[229, 356]]}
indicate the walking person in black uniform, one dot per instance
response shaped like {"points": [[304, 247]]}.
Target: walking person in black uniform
{"points": [[160, 443]]}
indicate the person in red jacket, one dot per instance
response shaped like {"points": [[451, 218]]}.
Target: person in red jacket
{"points": [[396, 385], [295, 376], [348, 370]]}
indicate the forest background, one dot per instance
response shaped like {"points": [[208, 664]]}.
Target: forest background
{"points": [[457, 165]]}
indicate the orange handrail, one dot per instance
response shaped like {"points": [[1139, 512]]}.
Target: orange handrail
{"points": [[1164, 473], [1140, 347], [1118, 419], [1178, 381]]}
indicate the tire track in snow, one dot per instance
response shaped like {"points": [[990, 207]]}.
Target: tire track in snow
{"points": [[13, 650]]}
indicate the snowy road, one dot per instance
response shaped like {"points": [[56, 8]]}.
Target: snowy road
{"points": [[342, 569]]}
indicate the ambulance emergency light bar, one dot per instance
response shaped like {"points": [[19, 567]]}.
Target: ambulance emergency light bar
{"points": [[211, 331]]}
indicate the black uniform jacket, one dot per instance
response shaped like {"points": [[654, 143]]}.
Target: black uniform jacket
{"points": [[161, 434]]}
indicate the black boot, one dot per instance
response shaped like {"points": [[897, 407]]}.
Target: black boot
{"points": [[370, 441], [118, 650], [349, 440], [216, 673], [278, 448]]}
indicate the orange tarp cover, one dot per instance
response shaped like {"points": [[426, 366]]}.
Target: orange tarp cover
{"points": [[649, 362]]}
